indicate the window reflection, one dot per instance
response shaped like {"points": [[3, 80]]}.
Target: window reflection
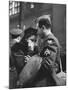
{"points": [[14, 7]]}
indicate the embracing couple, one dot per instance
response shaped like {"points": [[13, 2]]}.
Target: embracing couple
{"points": [[42, 58]]}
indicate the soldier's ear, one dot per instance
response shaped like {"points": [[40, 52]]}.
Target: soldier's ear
{"points": [[37, 25]]}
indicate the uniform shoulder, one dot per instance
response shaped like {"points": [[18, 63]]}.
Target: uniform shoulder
{"points": [[52, 39]]}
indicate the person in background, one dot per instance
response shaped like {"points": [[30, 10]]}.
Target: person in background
{"points": [[14, 39]]}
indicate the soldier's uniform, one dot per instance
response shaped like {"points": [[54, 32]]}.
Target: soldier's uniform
{"points": [[50, 52], [49, 47]]}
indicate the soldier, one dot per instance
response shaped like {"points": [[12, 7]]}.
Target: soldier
{"points": [[49, 48], [14, 39]]}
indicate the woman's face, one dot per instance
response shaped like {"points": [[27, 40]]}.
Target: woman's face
{"points": [[31, 42]]}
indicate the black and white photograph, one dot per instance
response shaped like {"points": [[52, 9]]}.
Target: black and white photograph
{"points": [[37, 44]]}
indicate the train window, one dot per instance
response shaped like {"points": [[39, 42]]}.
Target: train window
{"points": [[14, 7]]}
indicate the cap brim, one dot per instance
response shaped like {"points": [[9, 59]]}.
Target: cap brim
{"points": [[16, 31]]}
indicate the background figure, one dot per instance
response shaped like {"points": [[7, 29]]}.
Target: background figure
{"points": [[14, 65]]}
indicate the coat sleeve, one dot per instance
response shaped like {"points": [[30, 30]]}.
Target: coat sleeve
{"points": [[49, 54]]}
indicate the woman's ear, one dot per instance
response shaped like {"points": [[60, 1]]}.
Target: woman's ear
{"points": [[43, 27]]}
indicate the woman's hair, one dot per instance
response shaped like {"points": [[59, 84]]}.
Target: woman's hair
{"points": [[44, 22], [29, 32]]}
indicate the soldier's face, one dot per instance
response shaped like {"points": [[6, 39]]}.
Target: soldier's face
{"points": [[40, 30]]}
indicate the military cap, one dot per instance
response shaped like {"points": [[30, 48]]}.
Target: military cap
{"points": [[16, 31]]}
